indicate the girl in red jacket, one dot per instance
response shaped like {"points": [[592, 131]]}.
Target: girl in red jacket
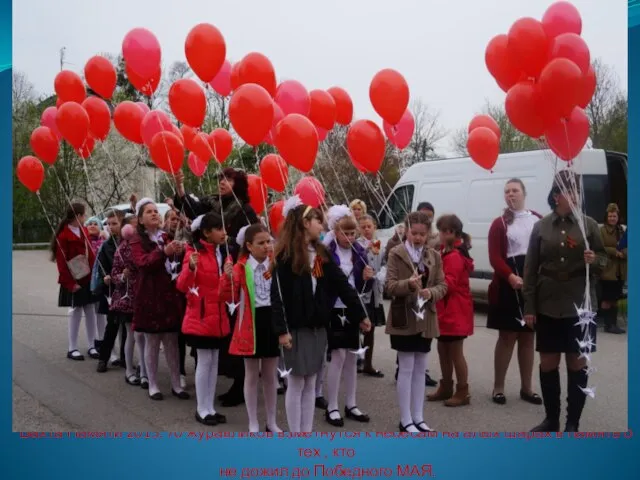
{"points": [[206, 322], [254, 337], [455, 313], [71, 250]]}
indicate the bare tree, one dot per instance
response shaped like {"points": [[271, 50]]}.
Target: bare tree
{"points": [[427, 134], [607, 111], [22, 90]]}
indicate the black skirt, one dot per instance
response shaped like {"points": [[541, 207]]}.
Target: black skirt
{"points": [[76, 299], [205, 343], [610, 290], [450, 338], [410, 343], [343, 331], [506, 314], [562, 335], [267, 344]]}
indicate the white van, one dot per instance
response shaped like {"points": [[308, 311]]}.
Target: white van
{"points": [[163, 208], [459, 186]]}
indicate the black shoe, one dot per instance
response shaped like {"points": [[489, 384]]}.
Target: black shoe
{"points": [[218, 418], [336, 422], [98, 344], [116, 363], [144, 383], [611, 320], [616, 330], [547, 425], [532, 398], [93, 353], [75, 355], [208, 420], [181, 395], [428, 381], [157, 396], [571, 428], [102, 366], [132, 380], [404, 428], [423, 427], [363, 417], [281, 390], [321, 403], [499, 398], [575, 398]]}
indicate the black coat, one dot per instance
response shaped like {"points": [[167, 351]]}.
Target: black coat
{"points": [[105, 265], [299, 307]]}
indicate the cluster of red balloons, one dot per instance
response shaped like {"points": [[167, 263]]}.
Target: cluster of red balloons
{"points": [[544, 66], [483, 143]]}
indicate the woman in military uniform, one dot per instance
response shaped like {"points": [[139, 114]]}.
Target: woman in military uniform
{"points": [[555, 275]]}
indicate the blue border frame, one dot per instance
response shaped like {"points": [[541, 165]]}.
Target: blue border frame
{"points": [[109, 458]]}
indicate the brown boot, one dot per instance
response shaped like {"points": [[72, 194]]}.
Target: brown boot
{"points": [[461, 397], [444, 392]]}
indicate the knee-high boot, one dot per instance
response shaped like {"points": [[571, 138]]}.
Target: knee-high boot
{"points": [[550, 383], [575, 398]]}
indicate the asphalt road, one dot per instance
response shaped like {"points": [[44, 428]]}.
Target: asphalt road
{"points": [[52, 393]]}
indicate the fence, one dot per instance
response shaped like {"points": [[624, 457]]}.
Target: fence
{"points": [[31, 232]]}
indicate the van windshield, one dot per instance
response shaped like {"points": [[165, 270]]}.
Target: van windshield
{"points": [[397, 207]]}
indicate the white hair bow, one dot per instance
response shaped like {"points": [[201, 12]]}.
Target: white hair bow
{"points": [[337, 213], [240, 236], [140, 205], [291, 204], [195, 225]]}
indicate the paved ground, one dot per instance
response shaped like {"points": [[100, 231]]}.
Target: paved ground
{"points": [[51, 393]]}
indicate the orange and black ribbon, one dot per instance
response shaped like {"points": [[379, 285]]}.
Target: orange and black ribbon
{"points": [[571, 243], [317, 267]]}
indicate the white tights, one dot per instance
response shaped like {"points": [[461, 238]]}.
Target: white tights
{"points": [[140, 343], [320, 377], [300, 402], [343, 364], [129, 346], [75, 317], [206, 378], [410, 388], [253, 373], [151, 357]]}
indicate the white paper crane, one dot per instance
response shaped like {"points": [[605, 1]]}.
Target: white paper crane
{"points": [[589, 391]]}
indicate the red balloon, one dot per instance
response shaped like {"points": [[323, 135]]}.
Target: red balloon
{"points": [[200, 146], [498, 63], [127, 118], [528, 46], [145, 85], [587, 88], [141, 51], [278, 115], [567, 138], [30, 172], [574, 48], [293, 97], [188, 133], [221, 83], [251, 113], [176, 131], [275, 216], [365, 143], [48, 119], [561, 17], [155, 121], [87, 147], [188, 102], [322, 111], [401, 134], [257, 193], [45, 144], [99, 117], [485, 121], [389, 94], [221, 143], [297, 141], [483, 147], [69, 87], [560, 83], [310, 191], [256, 68], [205, 50], [101, 76], [344, 105], [234, 79], [167, 152], [322, 134], [197, 166], [523, 107], [274, 172], [144, 107], [73, 122]]}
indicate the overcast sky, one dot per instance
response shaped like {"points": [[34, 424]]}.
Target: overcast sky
{"points": [[438, 45]]}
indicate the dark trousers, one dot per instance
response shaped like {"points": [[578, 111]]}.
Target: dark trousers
{"points": [[110, 334]]}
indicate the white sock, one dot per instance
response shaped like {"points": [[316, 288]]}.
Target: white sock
{"points": [[308, 403], [129, 345], [270, 391], [90, 324], [320, 376], [101, 324], [406, 363], [203, 371], [293, 402], [213, 379], [251, 378], [75, 317], [151, 354], [334, 375], [140, 341], [418, 388], [350, 376]]}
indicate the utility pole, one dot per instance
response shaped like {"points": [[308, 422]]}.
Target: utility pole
{"points": [[62, 50]]}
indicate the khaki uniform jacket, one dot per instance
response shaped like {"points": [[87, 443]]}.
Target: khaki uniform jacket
{"points": [[616, 268], [554, 271], [402, 320]]}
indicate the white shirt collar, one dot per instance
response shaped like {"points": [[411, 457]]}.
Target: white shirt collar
{"points": [[254, 263]]}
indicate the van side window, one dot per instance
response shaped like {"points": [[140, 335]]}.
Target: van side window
{"points": [[397, 207], [596, 196]]}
